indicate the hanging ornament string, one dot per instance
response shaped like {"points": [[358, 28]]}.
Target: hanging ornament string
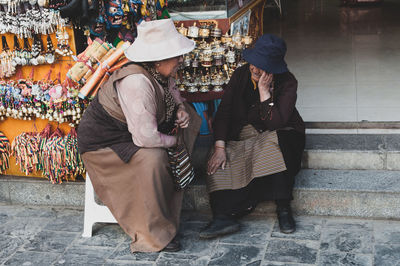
{"points": [[4, 153], [74, 164], [53, 159], [25, 149], [6, 67]]}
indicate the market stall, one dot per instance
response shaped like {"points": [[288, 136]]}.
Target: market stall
{"points": [[55, 54], [46, 82]]}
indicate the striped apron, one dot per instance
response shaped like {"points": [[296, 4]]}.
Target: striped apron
{"points": [[254, 155]]}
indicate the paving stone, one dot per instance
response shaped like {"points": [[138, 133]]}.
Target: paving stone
{"points": [[344, 259], [95, 252], [123, 252], [387, 232], [269, 263], [71, 259], [8, 245], [11, 210], [32, 258], [167, 259], [49, 241], [226, 254], [37, 212], [306, 229], [190, 242], [105, 235], [387, 255], [348, 224], [292, 251], [252, 232], [347, 241], [119, 262], [73, 223], [4, 218], [23, 227]]}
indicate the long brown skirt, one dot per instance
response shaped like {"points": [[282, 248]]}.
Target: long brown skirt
{"points": [[141, 194]]}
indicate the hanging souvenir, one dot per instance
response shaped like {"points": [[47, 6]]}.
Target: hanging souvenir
{"points": [[4, 153], [26, 54], [25, 149], [63, 47], [49, 56], [16, 56], [6, 68]]}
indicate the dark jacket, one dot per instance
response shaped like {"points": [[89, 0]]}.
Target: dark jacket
{"points": [[233, 113]]}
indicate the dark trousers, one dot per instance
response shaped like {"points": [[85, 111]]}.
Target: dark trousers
{"points": [[276, 187]]}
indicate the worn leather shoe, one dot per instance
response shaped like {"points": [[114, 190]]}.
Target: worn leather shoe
{"points": [[287, 225], [220, 226], [173, 246]]}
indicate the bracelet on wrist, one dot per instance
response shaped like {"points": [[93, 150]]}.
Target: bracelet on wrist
{"points": [[220, 147]]}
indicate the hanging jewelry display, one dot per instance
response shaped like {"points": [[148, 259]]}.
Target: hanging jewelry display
{"points": [[63, 48], [25, 18], [6, 68], [45, 99], [4, 153]]}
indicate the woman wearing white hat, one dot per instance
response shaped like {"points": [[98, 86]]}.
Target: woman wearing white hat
{"points": [[124, 134]]}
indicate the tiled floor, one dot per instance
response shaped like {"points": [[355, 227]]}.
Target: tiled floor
{"points": [[346, 59], [52, 236]]}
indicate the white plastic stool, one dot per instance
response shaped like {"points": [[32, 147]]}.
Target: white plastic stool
{"points": [[94, 213]]}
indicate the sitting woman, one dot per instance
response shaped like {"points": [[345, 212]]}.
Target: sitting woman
{"points": [[259, 140], [125, 132]]}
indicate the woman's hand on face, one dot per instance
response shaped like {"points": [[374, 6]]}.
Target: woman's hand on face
{"points": [[264, 84], [218, 159], [182, 118]]}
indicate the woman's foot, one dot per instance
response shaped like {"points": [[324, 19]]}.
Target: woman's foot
{"points": [[219, 226], [287, 225], [173, 246]]}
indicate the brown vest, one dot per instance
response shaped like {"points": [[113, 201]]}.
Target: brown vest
{"points": [[104, 124]]}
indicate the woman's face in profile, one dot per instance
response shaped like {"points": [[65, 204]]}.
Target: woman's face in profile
{"points": [[255, 72], [169, 67]]}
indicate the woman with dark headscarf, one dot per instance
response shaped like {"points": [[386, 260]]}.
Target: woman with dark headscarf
{"points": [[259, 140]]}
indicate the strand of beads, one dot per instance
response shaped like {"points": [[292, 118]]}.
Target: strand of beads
{"points": [[4, 153]]}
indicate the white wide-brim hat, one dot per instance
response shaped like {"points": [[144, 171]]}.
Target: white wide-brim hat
{"points": [[158, 40]]}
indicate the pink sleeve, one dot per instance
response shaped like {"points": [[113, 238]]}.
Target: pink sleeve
{"points": [[137, 98]]}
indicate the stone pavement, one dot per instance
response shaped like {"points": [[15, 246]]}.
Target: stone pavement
{"points": [[52, 236]]}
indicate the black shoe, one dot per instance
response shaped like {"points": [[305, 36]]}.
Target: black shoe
{"points": [[219, 226], [173, 246], [287, 225]]}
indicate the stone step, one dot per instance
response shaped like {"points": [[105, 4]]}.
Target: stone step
{"points": [[352, 193], [352, 151], [333, 151]]}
